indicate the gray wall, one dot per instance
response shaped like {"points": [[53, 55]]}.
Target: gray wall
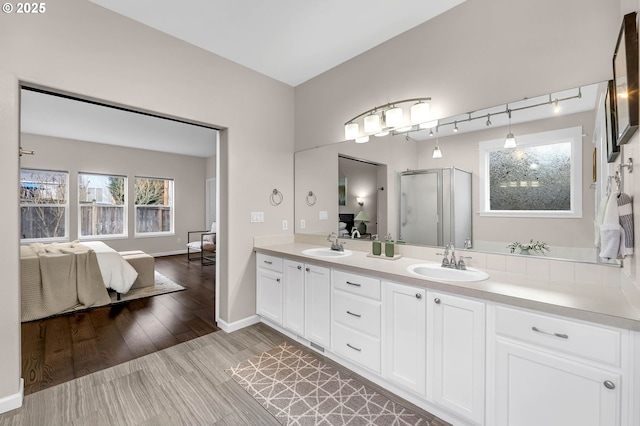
{"points": [[76, 156]]}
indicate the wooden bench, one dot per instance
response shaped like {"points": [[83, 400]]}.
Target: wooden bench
{"points": [[144, 264]]}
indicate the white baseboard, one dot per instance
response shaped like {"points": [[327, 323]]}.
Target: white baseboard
{"points": [[237, 325], [14, 401]]}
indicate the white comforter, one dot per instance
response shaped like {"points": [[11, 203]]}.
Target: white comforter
{"points": [[116, 272]]}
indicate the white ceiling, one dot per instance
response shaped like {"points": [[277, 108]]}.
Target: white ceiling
{"points": [[289, 40], [49, 115]]}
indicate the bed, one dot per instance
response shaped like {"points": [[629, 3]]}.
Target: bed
{"points": [[59, 277], [345, 224]]}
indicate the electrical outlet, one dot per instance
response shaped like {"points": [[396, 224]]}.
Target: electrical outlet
{"points": [[323, 215], [303, 224], [257, 217], [285, 225]]}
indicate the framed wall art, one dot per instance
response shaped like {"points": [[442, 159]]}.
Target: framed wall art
{"points": [[625, 78], [611, 132]]}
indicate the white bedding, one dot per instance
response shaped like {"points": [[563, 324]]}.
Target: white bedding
{"points": [[116, 272]]}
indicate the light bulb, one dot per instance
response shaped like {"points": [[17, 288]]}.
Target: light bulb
{"points": [[556, 107], [455, 126], [419, 112], [393, 117], [350, 131], [436, 152], [510, 141], [372, 123]]}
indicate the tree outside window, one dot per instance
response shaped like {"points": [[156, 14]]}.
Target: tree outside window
{"points": [[153, 200], [44, 202], [102, 203]]}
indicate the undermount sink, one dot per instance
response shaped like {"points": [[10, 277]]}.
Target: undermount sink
{"points": [[437, 272], [326, 252]]}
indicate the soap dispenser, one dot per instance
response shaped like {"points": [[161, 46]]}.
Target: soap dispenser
{"points": [[377, 246], [389, 247]]}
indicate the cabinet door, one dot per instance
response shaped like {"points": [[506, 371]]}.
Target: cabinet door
{"points": [[537, 388], [317, 288], [269, 295], [457, 354], [405, 336], [293, 297]]}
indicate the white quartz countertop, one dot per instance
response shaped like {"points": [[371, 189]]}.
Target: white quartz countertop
{"points": [[595, 303]]}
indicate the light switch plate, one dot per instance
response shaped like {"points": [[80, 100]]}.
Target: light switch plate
{"points": [[257, 217], [303, 224], [285, 225]]}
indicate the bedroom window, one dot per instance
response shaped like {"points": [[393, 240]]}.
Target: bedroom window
{"points": [[102, 204], [153, 205], [44, 205]]}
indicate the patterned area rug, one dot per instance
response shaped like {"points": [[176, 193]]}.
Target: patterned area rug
{"points": [[298, 389]]}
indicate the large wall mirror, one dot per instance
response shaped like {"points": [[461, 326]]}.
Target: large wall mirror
{"points": [[578, 111]]}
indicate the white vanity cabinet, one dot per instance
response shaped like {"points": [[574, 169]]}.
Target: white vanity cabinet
{"points": [[293, 299], [356, 316], [317, 305], [553, 371], [405, 336], [456, 354], [269, 278]]}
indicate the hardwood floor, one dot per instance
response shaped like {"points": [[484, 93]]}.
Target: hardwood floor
{"points": [[59, 349]]}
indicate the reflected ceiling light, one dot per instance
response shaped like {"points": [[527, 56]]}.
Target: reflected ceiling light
{"points": [[372, 123], [419, 112], [455, 126], [388, 117], [510, 140], [360, 201], [362, 139], [431, 133], [436, 151], [556, 107]]}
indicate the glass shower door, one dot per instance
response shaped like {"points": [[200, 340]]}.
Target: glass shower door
{"points": [[420, 211]]}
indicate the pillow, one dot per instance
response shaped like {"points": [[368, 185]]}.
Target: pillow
{"points": [[342, 225]]}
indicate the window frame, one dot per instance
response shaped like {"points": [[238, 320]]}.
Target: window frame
{"points": [[572, 135], [125, 211], [66, 205], [171, 206]]}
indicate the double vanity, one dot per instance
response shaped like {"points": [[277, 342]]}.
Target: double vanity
{"points": [[474, 347]]}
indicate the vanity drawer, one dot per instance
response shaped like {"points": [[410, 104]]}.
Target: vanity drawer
{"points": [[571, 337], [357, 313], [356, 284], [357, 347], [266, 261]]}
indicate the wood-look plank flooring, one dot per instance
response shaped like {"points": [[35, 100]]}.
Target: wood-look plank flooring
{"points": [[56, 350], [184, 384]]}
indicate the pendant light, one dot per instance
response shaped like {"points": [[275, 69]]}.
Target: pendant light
{"points": [[351, 131], [393, 117], [436, 150], [419, 112], [510, 141], [372, 123]]}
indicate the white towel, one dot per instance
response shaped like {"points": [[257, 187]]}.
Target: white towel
{"points": [[610, 230], [625, 214], [602, 207]]}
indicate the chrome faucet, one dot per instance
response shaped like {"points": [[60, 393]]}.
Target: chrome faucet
{"points": [[467, 243], [452, 261], [445, 260], [335, 245], [461, 263]]}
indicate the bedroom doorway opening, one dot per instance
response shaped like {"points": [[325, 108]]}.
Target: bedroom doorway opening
{"points": [[135, 182]]}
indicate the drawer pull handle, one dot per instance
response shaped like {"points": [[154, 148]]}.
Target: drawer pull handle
{"points": [[354, 284], [354, 348], [560, 335], [418, 296], [355, 315], [609, 384], [268, 262], [277, 279], [299, 267], [437, 301], [308, 269]]}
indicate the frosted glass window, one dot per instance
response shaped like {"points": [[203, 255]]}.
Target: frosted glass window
{"points": [[541, 177], [531, 178]]}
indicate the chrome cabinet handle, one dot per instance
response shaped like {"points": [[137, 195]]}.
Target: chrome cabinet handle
{"points": [[355, 315], [560, 335], [354, 284], [418, 296], [354, 348], [268, 262], [609, 384], [299, 267], [307, 269], [437, 301], [277, 279]]}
